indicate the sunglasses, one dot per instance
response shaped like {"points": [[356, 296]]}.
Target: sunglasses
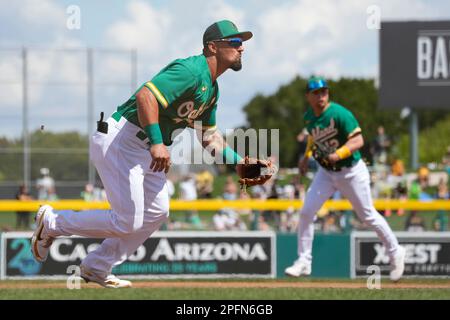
{"points": [[320, 91], [232, 42]]}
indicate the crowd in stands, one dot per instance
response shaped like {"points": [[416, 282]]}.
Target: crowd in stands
{"points": [[46, 191], [389, 180]]}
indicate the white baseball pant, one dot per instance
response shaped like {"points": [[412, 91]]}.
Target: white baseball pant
{"points": [[354, 184], [138, 196]]}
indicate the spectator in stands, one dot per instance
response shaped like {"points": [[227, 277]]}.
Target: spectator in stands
{"points": [[171, 224], [220, 221], [381, 188], [23, 217], [398, 168], [45, 185], [259, 192], [415, 223], [400, 192], [170, 187], [374, 185], [51, 195], [288, 219], [379, 146], [424, 176], [230, 189], [262, 224], [288, 190], [300, 191], [99, 192], [188, 192], [88, 193], [204, 184], [228, 216], [273, 216], [440, 222], [195, 222], [330, 223], [233, 221], [245, 213], [442, 190], [414, 190], [446, 161], [396, 176]]}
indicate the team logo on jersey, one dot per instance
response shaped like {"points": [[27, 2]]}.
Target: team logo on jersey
{"points": [[187, 112], [324, 136]]}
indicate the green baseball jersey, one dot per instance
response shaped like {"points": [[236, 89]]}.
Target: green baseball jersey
{"points": [[185, 93], [331, 130]]}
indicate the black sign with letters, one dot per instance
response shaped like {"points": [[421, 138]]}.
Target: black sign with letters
{"points": [[415, 64], [174, 254], [427, 253]]}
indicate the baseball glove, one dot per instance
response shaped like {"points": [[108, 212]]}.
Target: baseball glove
{"points": [[321, 153], [254, 171]]}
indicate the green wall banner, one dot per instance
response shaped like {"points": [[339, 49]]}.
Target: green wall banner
{"points": [[331, 254]]}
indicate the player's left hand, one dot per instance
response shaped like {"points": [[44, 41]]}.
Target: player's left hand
{"points": [[333, 158], [253, 171]]}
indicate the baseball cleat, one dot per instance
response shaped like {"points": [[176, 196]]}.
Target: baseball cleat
{"points": [[40, 242], [300, 267], [111, 281], [398, 264]]}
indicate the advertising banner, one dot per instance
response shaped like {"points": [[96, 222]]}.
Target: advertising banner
{"points": [[427, 253], [165, 254], [415, 64]]}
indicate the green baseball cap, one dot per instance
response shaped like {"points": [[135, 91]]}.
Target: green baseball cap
{"points": [[224, 29]]}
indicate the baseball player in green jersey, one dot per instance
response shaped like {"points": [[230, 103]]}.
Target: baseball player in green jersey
{"points": [[334, 140], [130, 153]]}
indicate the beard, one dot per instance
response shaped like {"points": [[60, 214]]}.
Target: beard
{"points": [[237, 65]]}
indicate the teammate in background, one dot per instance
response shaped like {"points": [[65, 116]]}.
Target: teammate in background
{"points": [[333, 127], [132, 159]]}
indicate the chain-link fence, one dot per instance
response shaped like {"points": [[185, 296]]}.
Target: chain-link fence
{"points": [[49, 103]]}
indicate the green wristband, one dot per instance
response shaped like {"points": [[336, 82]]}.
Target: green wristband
{"points": [[230, 156], [154, 133]]}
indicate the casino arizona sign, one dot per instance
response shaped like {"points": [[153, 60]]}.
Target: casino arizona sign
{"points": [[208, 251]]}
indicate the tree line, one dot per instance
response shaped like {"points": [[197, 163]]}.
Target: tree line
{"points": [[285, 108], [66, 154]]}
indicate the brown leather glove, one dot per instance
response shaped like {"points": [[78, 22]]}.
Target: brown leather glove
{"points": [[254, 171]]}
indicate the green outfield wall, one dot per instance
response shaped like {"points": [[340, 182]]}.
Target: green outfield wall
{"points": [[331, 254]]}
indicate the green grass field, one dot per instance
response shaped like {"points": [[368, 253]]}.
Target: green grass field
{"points": [[315, 289]]}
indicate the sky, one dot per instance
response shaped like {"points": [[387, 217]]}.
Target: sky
{"points": [[332, 38]]}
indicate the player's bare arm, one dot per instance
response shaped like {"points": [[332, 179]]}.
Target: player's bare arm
{"points": [[212, 141], [148, 114], [354, 143]]}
